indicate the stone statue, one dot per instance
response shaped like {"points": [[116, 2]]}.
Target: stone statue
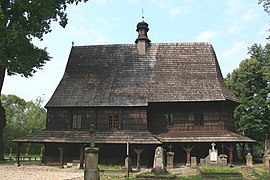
{"points": [[92, 135]]}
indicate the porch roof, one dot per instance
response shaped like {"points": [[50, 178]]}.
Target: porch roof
{"points": [[203, 136], [110, 137]]}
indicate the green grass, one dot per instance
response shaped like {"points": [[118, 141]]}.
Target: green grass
{"points": [[194, 177], [257, 172], [104, 177], [218, 169], [166, 174], [109, 167], [38, 157]]}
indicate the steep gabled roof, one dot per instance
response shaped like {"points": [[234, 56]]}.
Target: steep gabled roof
{"points": [[116, 75]]}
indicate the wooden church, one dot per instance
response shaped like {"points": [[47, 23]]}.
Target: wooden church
{"points": [[146, 94]]}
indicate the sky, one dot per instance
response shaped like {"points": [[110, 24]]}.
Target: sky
{"points": [[231, 26]]}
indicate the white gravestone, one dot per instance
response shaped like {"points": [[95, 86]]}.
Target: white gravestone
{"points": [[158, 159], [213, 153]]}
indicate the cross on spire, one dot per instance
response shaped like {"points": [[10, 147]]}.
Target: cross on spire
{"points": [[142, 15]]}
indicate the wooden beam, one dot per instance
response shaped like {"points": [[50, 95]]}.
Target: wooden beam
{"points": [[188, 152], [231, 154], [18, 154], [138, 152], [61, 156], [81, 156]]}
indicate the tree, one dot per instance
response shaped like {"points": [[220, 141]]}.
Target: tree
{"points": [[20, 22], [23, 118], [266, 6], [251, 85]]}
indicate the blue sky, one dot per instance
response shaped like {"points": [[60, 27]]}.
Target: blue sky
{"points": [[230, 25]]}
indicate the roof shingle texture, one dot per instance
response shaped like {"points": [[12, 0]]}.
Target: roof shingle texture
{"points": [[116, 75]]}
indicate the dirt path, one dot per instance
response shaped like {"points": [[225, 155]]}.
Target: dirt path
{"points": [[37, 171]]}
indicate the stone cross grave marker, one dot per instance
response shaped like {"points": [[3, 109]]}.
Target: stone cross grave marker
{"points": [[213, 153]]}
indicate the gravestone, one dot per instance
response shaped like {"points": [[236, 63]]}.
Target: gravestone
{"points": [[213, 158], [158, 160], [249, 160], [202, 161], [213, 154], [193, 162], [222, 160], [91, 171], [266, 159], [170, 156], [128, 163]]}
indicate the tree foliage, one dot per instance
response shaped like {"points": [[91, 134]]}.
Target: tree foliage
{"points": [[20, 22], [23, 118], [251, 84]]}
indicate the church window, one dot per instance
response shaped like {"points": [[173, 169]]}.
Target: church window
{"points": [[76, 121], [198, 119], [169, 119], [113, 122]]}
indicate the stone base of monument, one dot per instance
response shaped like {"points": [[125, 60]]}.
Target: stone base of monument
{"points": [[91, 171], [159, 170], [91, 174], [128, 164]]}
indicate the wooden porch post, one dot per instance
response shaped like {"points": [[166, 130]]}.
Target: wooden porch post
{"points": [[81, 156], [188, 152], [61, 154], [18, 154], [251, 149], [236, 152], [243, 146], [138, 152], [231, 153]]}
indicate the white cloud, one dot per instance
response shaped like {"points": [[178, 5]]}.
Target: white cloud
{"points": [[161, 4], [235, 7], [207, 35], [101, 2], [249, 15], [132, 2], [264, 31], [80, 33], [234, 50], [235, 29], [176, 11]]}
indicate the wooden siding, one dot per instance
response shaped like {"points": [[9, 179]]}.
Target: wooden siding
{"points": [[214, 117], [128, 118]]}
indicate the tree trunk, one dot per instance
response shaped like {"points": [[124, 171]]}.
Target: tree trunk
{"points": [[2, 116]]}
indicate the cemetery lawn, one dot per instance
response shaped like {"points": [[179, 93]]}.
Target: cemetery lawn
{"points": [[110, 167], [257, 172]]}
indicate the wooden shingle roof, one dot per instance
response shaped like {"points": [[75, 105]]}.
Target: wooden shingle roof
{"points": [[115, 75], [134, 137], [203, 136], [109, 137]]}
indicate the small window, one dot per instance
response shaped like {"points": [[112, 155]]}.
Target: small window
{"points": [[169, 119], [198, 119], [76, 121], [113, 122]]}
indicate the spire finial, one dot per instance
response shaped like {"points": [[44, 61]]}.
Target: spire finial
{"points": [[142, 15]]}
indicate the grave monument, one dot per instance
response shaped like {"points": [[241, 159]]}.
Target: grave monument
{"points": [[91, 171], [249, 160], [170, 156], [158, 160]]}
